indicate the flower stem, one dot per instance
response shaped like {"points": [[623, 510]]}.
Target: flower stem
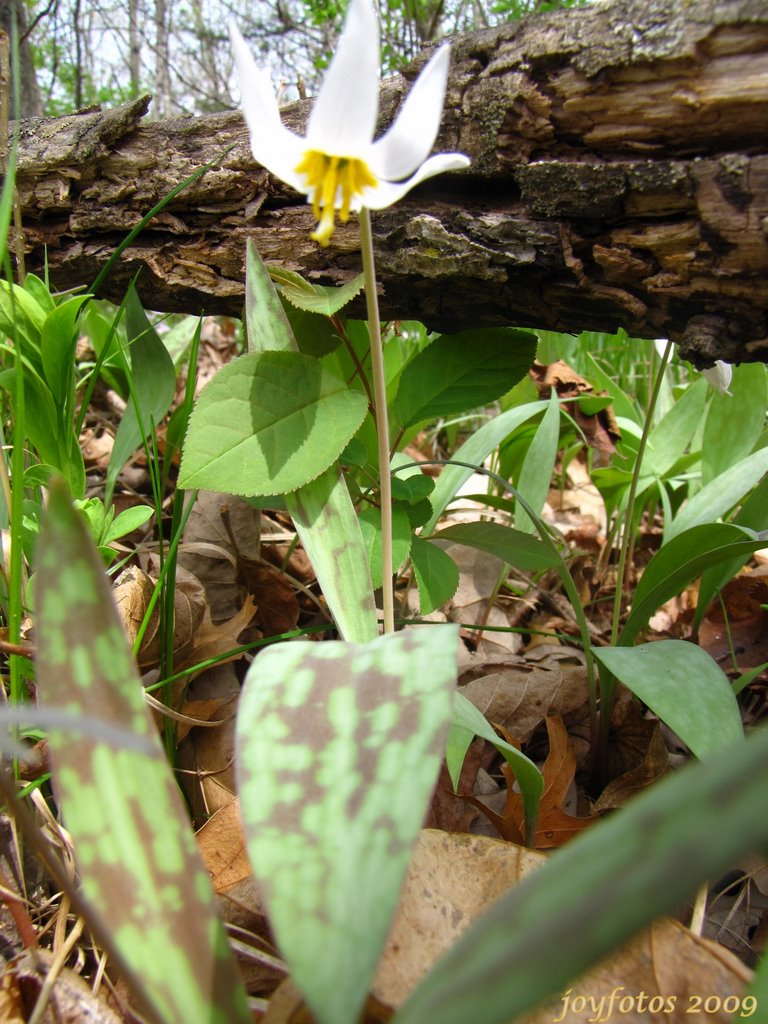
{"points": [[382, 418]]}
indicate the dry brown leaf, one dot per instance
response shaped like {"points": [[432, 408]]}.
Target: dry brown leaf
{"points": [[637, 753], [71, 1000], [519, 695], [212, 641], [206, 757], [746, 632], [207, 551], [222, 847], [453, 878], [553, 826], [665, 976], [133, 591]]}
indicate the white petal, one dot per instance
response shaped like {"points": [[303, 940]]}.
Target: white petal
{"points": [[273, 145], [343, 118], [719, 376], [661, 347], [410, 139], [389, 192]]}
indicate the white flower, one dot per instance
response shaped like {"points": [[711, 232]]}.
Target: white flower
{"points": [[719, 376], [338, 165]]}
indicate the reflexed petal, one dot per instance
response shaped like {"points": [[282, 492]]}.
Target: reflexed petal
{"points": [[273, 145], [410, 139], [719, 376], [343, 118], [389, 192]]}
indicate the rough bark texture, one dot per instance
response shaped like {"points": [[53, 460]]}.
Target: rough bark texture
{"points": [[619, 179]]}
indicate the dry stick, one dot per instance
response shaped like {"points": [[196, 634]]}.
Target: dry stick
{"points": [[382, 418]]}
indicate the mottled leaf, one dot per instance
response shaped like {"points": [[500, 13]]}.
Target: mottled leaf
{"points": [[135, 850], [339, 746]]}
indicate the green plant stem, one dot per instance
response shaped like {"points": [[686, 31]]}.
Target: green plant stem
{"points": [[382, 418], [607, 682]]}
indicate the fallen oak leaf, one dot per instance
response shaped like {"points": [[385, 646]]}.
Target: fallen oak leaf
{"points": [[553, 826]]}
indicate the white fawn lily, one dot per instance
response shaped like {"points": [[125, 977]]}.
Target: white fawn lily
{"points": [[337, 165]]}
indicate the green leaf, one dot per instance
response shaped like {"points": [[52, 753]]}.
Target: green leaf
{"points": [[315, 298], [720, 495], [734, 422], [152, 388], [754, 515], [679, 562], [327, 523], [269, 423], [370, 525], [670, 437], [127, 521], [459, 372], [135, 849], [514, 547], [266, 321], [595, 893], [437, 575], [474, 452], [58, 338], [684, 686], [538, 465], [315, 334], [338, 748], [322, 510], [469, 721]]}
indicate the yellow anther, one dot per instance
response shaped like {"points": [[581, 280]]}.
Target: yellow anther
{"points": [[332, 181]]}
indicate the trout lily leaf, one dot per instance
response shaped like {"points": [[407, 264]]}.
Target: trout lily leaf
{"points": [[338, 165]]}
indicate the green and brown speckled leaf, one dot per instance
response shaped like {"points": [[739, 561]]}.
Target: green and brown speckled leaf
{"points": [[338, 749], [135, 849]]}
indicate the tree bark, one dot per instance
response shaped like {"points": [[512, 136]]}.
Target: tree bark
{"points": [[619, 179]]}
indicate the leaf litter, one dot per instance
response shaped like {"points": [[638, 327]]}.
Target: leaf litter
{"points": [[231, 584]]}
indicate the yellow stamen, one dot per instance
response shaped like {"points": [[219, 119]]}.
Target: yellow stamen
{"points": [[333, 180]]}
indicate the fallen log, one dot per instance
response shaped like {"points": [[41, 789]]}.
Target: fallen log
{"points": [[619, 179]]}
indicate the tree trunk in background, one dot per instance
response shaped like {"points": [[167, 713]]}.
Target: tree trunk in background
{"points": [[134, 48], [162, 74], [619, 179], [31, 101]]}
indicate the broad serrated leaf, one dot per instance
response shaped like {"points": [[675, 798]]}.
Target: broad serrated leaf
{"points": [[459, 372], [322, 510], [315, 298], [437, 575], [135, 849], [338, 749], [684, 686], [268, 423], [596, 892], [518, 549]]}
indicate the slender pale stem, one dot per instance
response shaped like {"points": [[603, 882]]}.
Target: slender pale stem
{"points": [[607, 681], [382, 418]]}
